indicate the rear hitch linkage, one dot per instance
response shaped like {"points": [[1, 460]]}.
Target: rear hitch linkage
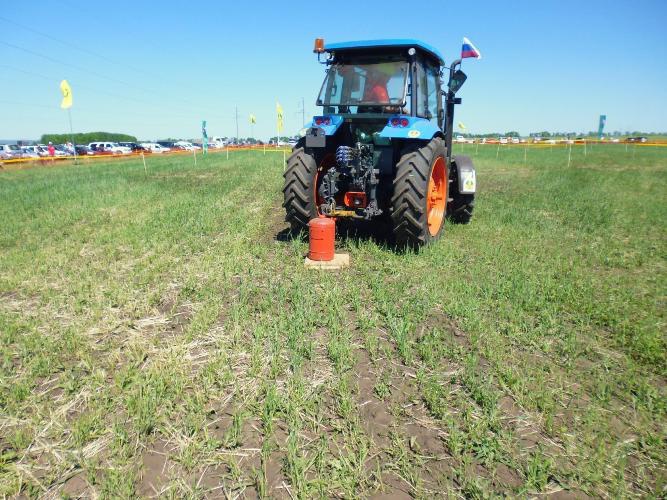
{"points": [[354, 170]]}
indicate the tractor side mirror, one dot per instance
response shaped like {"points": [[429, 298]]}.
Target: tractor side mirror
{"points": [[456, 81]]}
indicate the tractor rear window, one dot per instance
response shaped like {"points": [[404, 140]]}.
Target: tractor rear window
{"points": [[365, 84]]}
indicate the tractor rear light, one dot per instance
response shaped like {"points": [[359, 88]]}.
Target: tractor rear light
{"points": [[319, 45], [322, 120], [355, 199], [399, 122]]}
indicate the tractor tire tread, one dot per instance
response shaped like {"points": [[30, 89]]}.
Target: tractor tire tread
{"points": [[408, 214], [299, 177]]}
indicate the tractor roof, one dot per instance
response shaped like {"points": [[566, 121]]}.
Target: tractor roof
{"points": [[389, 42]]}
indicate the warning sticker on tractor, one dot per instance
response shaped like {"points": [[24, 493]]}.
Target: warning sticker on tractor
{"points": [[414, 133], [468, 181]]}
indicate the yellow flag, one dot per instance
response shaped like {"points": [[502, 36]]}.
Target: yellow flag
{"points": [[462, 126], [67, 95], [253, 120], [279, 110]]}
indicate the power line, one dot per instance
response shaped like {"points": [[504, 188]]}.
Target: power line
{"points": [[70, 45], [99, 75], [98, 91], [57, 61], [29, 104]]}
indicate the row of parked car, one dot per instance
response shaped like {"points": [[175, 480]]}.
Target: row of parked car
{"points": [[545, 140], [14, 151], [134, 147], [500, 140]]}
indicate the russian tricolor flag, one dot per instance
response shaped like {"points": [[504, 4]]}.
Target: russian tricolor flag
{"points": [[469, 50]]}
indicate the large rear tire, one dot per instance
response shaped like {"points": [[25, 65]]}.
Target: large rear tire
{"points": [[299, 194], [421, 189]]}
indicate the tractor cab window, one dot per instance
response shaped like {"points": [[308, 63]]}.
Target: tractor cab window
{"points": [[365, 84], [428, 92]]}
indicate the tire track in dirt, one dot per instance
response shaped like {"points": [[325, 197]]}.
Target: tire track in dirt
{"points": [[536, 432], [428, 436], [401, 416], [136, 346], [533, 432], [393, 414], [527, 427]]}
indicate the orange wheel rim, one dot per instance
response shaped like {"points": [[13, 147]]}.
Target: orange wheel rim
{"points": [[316, 195], [436, 196]]}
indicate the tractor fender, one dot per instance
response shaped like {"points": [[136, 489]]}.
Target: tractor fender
{"points": [[417, 128], [465, 171]]}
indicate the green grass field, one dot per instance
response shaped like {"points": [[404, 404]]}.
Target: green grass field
{"points": [[160, 336]]}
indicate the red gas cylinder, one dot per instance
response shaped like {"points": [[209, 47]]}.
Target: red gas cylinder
{"points": [[322, 235]]}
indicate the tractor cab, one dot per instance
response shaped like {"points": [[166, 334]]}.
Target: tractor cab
{"points": [[382, 77]]}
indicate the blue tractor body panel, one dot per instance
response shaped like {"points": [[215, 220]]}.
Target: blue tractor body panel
{"points": [[389, 42], [418, 128], [335, 121]]}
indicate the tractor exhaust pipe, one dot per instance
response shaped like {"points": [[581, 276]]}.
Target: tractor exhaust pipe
{"points": [[450, 101]]}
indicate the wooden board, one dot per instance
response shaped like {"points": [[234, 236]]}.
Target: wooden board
{"points": [[339, 261]]}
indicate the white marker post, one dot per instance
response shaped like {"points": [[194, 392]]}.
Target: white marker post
{"points": [[143, 158], [569, 154], [194, 153]]}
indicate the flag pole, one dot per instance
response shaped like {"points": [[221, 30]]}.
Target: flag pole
{"points": [[204, 139], [71, 134]]}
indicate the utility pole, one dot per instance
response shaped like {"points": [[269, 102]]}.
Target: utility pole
{"points": [[237, 123], [302, 111]]}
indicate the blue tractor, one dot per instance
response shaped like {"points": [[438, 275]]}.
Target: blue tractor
{"points": [[382, 147]]}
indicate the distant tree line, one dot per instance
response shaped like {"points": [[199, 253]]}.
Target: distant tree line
{"points": [[87, 137]]}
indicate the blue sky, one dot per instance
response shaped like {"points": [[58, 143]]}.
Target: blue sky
{"points": [[156, 69]]}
